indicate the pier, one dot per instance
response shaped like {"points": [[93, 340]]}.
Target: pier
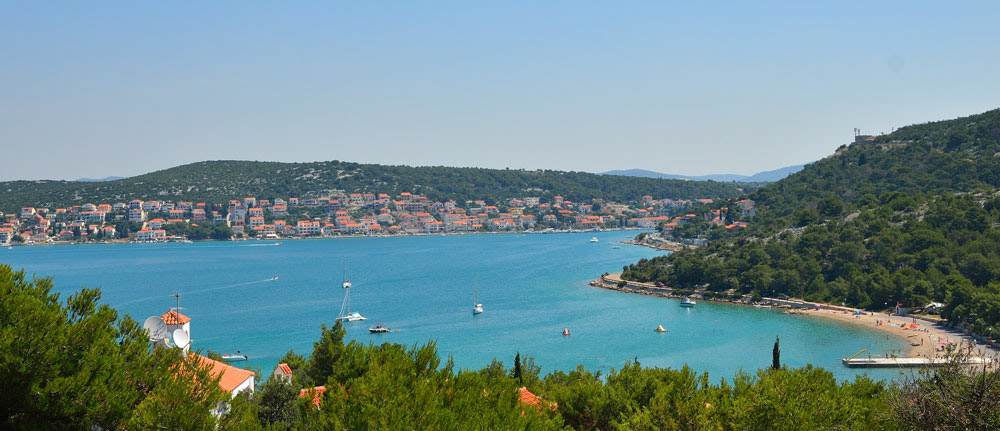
{"points": [[909, 362]]}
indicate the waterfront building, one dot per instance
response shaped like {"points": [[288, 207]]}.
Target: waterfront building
{"points": [[306, 227]]}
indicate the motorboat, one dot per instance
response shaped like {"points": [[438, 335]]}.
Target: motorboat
{"points": [[379, 329], [234, 357], [594, 239], [687, 302]]}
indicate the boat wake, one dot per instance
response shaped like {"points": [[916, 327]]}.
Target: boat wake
{"points": [[208, 289]]}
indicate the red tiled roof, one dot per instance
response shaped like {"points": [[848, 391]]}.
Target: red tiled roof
{"points": [[174, 318], [285, 369], [317, 394], [232, 377], [527, 397]]}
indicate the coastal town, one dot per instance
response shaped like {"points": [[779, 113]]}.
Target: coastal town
{"points": [[342, 215]]}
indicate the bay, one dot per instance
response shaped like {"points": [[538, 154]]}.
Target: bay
{"points": [[532, 287]]}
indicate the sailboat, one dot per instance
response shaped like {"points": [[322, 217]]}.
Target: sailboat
{"points": [[477, 307], [345, 308]]}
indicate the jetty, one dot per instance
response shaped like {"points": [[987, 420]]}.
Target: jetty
{"points": [[909, 362]]}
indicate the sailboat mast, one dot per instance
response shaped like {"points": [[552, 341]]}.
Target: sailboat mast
{"points": [[347, 295]]}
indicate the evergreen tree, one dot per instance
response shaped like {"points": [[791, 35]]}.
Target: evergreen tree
{"points": [[776, 355], [517, 368]]}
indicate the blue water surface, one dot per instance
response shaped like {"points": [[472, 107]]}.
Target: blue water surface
{"points": [[532, 286]]}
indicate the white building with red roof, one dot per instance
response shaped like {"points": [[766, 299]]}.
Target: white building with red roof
{"points": [[282, 372]]}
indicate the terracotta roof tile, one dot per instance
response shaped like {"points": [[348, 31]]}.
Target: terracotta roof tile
{"points": [[174, 318], [232, 377]]}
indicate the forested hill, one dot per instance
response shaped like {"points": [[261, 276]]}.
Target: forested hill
{"points": [[909, 217], [218, 181], [960, 155]]}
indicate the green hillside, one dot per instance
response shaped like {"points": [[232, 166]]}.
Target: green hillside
{"points": [[219, 181], [910, 217], [960, 155]]}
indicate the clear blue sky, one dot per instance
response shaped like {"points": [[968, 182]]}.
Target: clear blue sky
{"points": [[90, 89]]}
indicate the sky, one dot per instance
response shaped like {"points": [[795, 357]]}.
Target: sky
{"points": [[95, 89]]}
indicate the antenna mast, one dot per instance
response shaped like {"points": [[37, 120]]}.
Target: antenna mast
{"points": [[177, 308]]}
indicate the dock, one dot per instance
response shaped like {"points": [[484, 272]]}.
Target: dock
{"points": [[908, 362]]}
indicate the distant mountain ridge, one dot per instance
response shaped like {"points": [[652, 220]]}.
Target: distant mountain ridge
{"points": [[760, 177]]}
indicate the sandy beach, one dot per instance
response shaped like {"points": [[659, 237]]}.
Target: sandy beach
{"points": [[929, 337]]}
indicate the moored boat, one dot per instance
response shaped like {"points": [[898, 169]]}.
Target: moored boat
{"points": [[687, 302], [593, 239], [477, 308], [345, 307], [379, 329]]}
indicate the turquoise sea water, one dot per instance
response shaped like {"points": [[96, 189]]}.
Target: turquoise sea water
{"points": [[532, 286]]}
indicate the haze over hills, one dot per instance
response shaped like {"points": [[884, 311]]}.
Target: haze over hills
{"points": [[97, 180], [760, 177], [220, 181]]}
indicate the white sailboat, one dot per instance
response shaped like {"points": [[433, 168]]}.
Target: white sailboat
{"points": [[345, 307], [477, 307]]}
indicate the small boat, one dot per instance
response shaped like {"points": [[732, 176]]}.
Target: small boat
{"points": [[274, 278], [353, 317], [687, 302], [616, 246], [565, 331], [659, 328], [593, 239], [477, 308], [235, 357], [379, 329], [345, 307]]}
